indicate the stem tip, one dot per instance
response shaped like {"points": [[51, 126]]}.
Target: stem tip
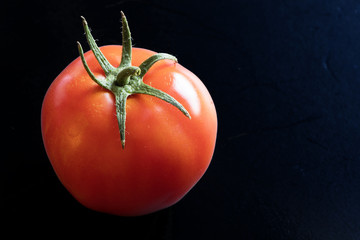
{"points": [[83, 20]]}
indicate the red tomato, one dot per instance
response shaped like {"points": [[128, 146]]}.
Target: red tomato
{"points": [[166, 153]]}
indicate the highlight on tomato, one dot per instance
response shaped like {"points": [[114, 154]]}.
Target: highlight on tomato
{"points": [[128, 131]]}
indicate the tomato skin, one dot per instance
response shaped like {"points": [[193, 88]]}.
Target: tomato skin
{"points": [[165, 154]]}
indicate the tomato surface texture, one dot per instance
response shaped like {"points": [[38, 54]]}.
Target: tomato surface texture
{"points": [[166, 153]]}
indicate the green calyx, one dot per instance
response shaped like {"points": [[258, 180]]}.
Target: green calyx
{"points": [[126, 79]]}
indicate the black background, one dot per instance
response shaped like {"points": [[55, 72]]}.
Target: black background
{"points": [[285, 79]]}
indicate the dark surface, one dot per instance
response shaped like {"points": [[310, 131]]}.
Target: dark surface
{"points": [[285, 79]]}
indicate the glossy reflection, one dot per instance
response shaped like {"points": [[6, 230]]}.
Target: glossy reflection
{"points": [[187, 91]]}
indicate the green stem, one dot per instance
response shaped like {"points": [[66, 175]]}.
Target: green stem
{"points": [[146, 89], [126, 79], [120, 100], [105, 65], [147, 64], [124, 75], [92, 76], [127, 44]]}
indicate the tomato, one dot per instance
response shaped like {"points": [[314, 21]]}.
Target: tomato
{"points": [[165, 155]]}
